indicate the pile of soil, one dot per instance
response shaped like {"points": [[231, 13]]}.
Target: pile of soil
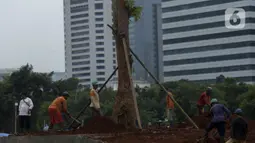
{"points": [[202, 121], [101, 125], [160, 136]]}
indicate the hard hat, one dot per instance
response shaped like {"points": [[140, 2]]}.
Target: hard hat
{"points": [[238, 111], [214, 100], [65, 93], [94, 83], [209, 88]]}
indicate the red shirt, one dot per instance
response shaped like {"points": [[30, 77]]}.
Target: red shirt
{"points": [[204, 99]]}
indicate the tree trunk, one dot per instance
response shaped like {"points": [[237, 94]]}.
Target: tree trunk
{"points": [[123, 111]]}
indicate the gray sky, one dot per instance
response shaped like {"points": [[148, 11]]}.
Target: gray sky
{"points": [[31, 31]]}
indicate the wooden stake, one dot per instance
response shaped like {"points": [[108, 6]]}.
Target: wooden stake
{"points": [[131, 82]]}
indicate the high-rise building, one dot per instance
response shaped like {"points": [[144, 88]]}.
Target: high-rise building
{"points": [[199, 47], [89, 52], [146, 40]]}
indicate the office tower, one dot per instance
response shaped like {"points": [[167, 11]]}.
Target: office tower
{"points": [[146, 40], [89, 52], [198, 46]]}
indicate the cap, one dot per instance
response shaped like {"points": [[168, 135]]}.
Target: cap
{"points": [[238, 111], [65, 93], [94, 83], [209, 88], [214, 100]]}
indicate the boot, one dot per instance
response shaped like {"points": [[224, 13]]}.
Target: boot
{"points": [[222, 140]]}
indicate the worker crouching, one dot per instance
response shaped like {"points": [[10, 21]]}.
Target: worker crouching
{"points": [[57, 107], [239, 128], [218, 121], [94, 97]]}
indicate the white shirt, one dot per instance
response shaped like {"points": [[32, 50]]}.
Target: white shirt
{"points": [[25, 105], [94, 99]]}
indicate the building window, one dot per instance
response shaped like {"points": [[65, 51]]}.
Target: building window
{"points": [[100, 61], [114, 67], [114, 61], [79, 8], [81, 63], [99, 31], [99, 13], [100, 73], [100, 67], [84, 80], [98, 6], [99, 43], [80, 57], [80, 33], [81, 75], [99, 49], [78, 1], [99, 25], [114, 55], [80, 45], [79, 22], [80, 51], [100, 55], [99, 19], [210, 59], [80, 39], [80, 27], [80, 69], [80, 16], [99, 37], [100, 79]]}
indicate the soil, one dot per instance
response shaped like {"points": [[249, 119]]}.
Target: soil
{"points": [[105, 129]]}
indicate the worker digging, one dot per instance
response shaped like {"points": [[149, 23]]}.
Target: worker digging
{"points": [[204, 100], [57, 107]]}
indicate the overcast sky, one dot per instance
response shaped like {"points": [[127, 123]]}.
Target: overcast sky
{"points": [[31, 31]]}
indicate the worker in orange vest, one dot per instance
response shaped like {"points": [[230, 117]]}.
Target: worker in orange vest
{"points": [[203, 100], [58, 106], [170, 107]]}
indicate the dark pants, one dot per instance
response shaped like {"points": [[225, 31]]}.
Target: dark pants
{"points": [[200, 109], [220, 126], [24, 122], [95, 112]]}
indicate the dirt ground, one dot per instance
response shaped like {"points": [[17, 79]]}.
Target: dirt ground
{"points": [[105, 129]]}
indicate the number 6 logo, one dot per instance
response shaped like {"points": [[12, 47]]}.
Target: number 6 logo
{"points": [[235, 18]]}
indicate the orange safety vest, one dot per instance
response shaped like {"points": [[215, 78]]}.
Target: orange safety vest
{"points": [[60, 104], [169, 102]]}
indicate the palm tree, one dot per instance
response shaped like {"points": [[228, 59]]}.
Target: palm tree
{"points": [[124, 108]]}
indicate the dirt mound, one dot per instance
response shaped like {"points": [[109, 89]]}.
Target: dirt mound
{"points": [[201, 121], [101, 125]]}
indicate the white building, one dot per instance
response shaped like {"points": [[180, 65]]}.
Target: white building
{"points": [[197, 45], [89, 52], [139, 83]]}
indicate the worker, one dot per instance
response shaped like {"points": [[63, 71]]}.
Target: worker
{"points": [[94, 97], [170, 107], [204, 99], [239, 128], [218, 121], [25, 108], [57, 107]]}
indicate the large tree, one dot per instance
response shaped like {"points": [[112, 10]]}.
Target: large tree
{"points": [[124, 109]]}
